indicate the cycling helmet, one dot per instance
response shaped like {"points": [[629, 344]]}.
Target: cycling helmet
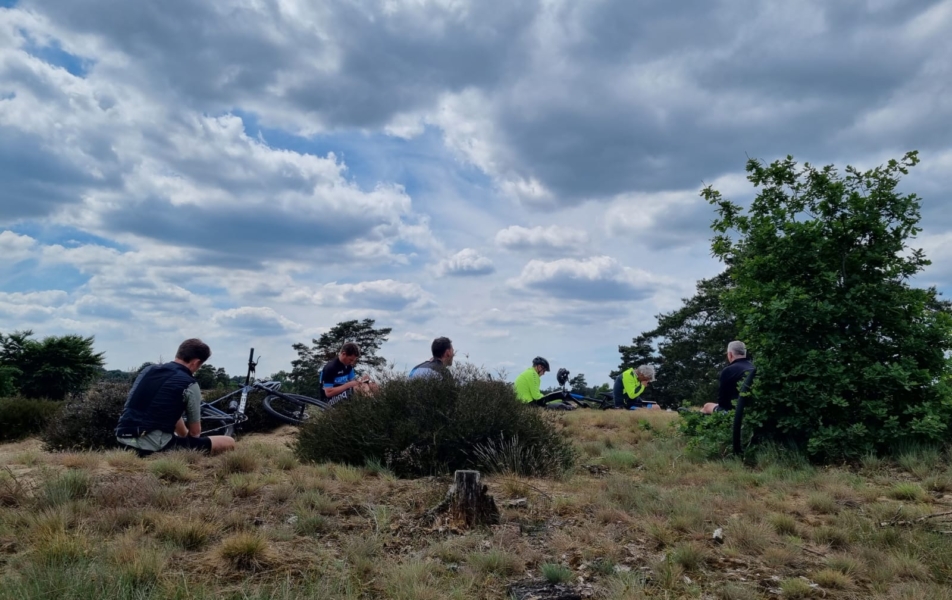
{"points": [[541, 361], [562, 376]]}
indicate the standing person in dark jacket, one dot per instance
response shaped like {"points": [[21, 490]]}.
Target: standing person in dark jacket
{"points": [[730, 379], [152, 421]]}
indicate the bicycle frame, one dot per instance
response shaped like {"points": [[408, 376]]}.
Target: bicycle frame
{"points": [[235, 415]]}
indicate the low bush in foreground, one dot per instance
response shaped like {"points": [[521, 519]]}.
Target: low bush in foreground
{"points": [[89, 422], [436, 425], [23, 417]]}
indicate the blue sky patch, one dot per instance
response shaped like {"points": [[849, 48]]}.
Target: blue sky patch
{"points": [[29, 276], [68, 237], [54, 54]]}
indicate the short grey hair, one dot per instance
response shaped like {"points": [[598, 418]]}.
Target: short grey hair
{"points": [[737, 348], [647, 371]]}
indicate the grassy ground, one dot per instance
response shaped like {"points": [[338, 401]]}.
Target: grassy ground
{"points": [[635, 520]]}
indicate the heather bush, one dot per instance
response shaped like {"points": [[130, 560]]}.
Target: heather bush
{"points": [[437, 425], [23, 417], [88, 422]]}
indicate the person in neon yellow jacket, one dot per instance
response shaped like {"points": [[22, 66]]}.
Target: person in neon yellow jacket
{"points": [[529, 382], [631, 384]]}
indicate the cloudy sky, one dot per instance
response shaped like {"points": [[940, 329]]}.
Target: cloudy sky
{"points": [[521, 176]]}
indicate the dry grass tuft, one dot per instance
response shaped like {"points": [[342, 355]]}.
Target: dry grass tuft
{"points": [[189, 533], [496, 562], [796, 588], [246, 552], [908, 491], [833, 580], [242, 460], [171, 468]]}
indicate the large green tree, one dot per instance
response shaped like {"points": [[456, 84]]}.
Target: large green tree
{"points": [[52, 367], [687, 347], [851, 358], [306, 369]]}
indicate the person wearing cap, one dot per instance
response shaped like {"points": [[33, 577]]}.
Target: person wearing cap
{"points": [[631, 384], [528, 384]]}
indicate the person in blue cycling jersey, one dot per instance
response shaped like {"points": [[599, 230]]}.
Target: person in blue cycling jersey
{"points": [[338, 379], [631, 384], [440, 361]]}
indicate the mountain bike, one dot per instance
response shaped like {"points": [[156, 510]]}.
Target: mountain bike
{"points": [[570, 400], [223, 415]]}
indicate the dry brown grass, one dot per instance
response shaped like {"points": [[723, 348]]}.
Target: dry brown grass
{"points": [[257, 522]]}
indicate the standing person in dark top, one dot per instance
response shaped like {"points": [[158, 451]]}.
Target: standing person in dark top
{"points": [[152, 421], [338, 380], [442, 349], [730, 379]]}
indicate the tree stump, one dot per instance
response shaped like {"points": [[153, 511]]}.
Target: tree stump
{"points": [[468, 502]]}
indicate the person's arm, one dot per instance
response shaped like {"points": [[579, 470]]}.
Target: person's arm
{"points": [[331, 390], [193, 410], [639, 390], [180, 429], [535, 384]]}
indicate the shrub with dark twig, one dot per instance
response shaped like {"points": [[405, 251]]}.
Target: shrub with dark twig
{"points": [[436, 425], [88, 422]]}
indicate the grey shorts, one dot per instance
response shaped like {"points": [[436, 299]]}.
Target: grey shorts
{"points": [[201, 444]]}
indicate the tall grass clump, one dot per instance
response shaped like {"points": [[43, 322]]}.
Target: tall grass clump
{"points": [[436, 425]]}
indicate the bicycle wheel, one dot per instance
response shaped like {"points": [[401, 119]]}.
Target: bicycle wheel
{"points": [[286, 408]]}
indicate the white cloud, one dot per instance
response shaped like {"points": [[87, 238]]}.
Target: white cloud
{"points": [[553, 239], [15, 248], [25, 309], [382, 294], [260, 320], [205, 163], [466, 262], [597, 279]]}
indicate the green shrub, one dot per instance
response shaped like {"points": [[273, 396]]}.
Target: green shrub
{"points": [[852, 359], [712, 435], [89, 422], [23, 417], [436, 425]]}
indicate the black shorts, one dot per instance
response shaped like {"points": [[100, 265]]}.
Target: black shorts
{"points": [[200, 444]]}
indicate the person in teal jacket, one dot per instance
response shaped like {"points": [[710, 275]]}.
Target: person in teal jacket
{"points": [[631, 384]]}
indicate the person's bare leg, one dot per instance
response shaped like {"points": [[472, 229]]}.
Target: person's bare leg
{"points": [[221, 443], [708, 408]]}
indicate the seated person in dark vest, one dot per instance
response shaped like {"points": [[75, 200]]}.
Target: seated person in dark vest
{"points": [[152, 421], [439, 363], [730, 379], [338, 380]]}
